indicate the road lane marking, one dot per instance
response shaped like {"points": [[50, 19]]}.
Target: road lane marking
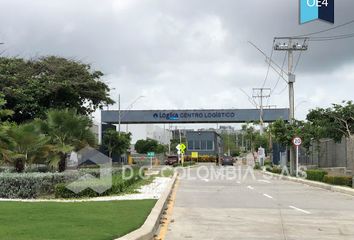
{"points": [[299, 209], [268, 196], [250, 187], [238, 182], [265, 181], [205, 180]]}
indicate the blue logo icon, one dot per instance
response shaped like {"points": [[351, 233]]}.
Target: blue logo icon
{"points": [[156, 115], [316, 9]]}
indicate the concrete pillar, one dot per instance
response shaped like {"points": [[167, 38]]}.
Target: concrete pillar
{"points": [[350, 154]]}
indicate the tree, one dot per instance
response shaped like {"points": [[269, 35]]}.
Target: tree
{"points": [[68, 131], [32, 87], [115, 143], [249, 133], [5, 140], [261, 141], [4, 113], [284, 132], [26, 140], [149, 145], [334, 122], [175, 142]]}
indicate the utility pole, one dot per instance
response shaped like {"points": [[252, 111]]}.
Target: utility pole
{"points": [[119, 114], [228, 143], [261, 93], [290, 45], [237, 140]]}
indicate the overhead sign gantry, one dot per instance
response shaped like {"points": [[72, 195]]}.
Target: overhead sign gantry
{"points": [[192, 116]]}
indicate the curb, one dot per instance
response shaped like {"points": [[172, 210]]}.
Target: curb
{"points": [[333, 188], [151, 224]]}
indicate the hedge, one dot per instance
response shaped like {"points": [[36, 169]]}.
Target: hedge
{"points": [[31, 185], [185, 164], [338, 180], [119, 185], [274, 169], [35, 184], [201, 158], [316, 175]]}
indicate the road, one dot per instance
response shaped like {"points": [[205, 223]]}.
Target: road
{"points": [[226, 207]]}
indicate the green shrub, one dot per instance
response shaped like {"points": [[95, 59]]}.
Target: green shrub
{"points": [[35, 184], [235, 153], [338, 180], [268, 163], [274, 169], [207, 158], [185, 164], [257, 166], [119, 185], [31, 185], [316, 175]]}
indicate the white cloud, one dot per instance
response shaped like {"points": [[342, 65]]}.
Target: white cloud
{"points": [[183, 53]]}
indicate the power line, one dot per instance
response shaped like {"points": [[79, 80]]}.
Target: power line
{"points": [[279, 77], [325, 30], [331, 38], [251, 100], [297, 61], [282, 90], [269, 65], [280, 71]]}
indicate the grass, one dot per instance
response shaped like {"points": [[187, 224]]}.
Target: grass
{"points": [[167, 172], [79, 221]]}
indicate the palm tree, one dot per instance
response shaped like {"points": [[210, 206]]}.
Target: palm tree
{"points": [[26, 142], [68, 131]]}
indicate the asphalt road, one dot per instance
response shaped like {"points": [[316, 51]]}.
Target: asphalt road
{"points": [[221, 205]]}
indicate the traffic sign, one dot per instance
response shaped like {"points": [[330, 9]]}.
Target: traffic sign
{"points": [[151, 154], [181, 147], [297, 141], [194, 154]]}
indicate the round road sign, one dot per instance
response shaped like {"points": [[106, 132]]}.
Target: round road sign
{"points": [[297, 141]]}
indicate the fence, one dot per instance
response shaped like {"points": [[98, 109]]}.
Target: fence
{"points": [[328, 154], [143, 160]]}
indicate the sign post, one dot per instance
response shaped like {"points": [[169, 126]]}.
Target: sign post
{"points": [[297, 141], [151, 155], [180, 151]]}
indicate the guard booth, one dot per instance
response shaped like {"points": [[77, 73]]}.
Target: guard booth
{"points": [[204, 142]]}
